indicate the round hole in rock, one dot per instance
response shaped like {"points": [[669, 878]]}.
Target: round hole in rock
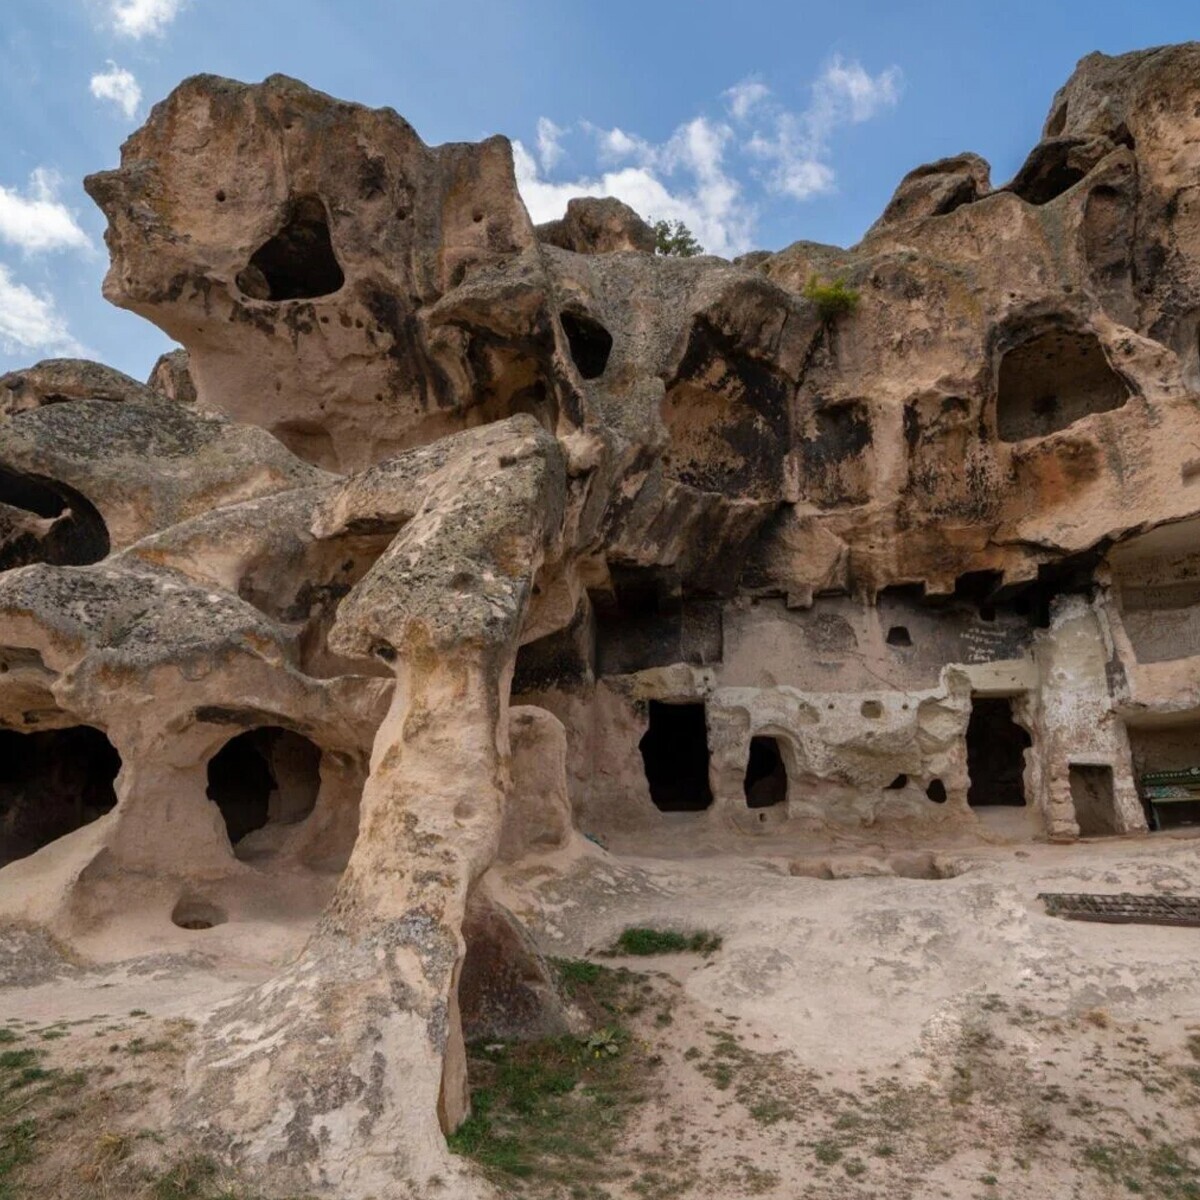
{"points": [[299, 262], [264, 776], [872, 709], [936, 791], [51, 783], [924, 864], [590, 343], [191, 912], [897, 784], [766, 776]]}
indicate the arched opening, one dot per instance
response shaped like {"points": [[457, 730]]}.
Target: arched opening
{"points": [[936, 791], [264, 776], [1051, 169], [42, 520], [52, 783], [766, 776], [1053, 380], [298, 263], [898, 635], [675, 754], [996, 747], [590, 343]]}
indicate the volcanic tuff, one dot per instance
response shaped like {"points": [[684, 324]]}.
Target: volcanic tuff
{"points": [[447, 539]]}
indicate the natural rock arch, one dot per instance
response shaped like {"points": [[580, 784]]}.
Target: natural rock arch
{"points": [[267, 775]]}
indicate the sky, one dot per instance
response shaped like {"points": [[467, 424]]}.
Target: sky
{"points": [[756, 122]]}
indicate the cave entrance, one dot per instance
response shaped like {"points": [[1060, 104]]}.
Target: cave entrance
{"points": [[264, 776], [675, 754], [42, 520], [590, 343], [298, 263], [996, 747], [52, 783], [1093, 798], [1053, 380], [766, 776]]}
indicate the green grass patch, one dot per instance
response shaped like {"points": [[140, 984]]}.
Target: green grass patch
{"points": [[1154, 1169], [551, 1112], [643, 941]]}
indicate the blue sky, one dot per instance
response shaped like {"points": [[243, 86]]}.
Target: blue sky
{"points": [[756, 122]]}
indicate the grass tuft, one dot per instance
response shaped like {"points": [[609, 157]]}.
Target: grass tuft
{"points": [[643, 941]]}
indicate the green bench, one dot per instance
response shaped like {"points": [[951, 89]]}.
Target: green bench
{"points": [[1174, 795]]}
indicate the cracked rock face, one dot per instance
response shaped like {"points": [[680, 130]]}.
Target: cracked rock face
{"points": [[444, 538]]}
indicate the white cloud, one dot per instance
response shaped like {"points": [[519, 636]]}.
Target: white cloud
{"points": [[704, 173], [31, 322], [37, 220], [143, 18], [846, 92], [118, 86], [549, 142], [744, 96], [796, 145], [615, 145], [713, 207]]}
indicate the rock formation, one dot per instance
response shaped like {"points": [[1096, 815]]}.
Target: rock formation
{"points": [[447, 538]]}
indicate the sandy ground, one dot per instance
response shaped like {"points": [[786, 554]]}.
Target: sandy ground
{"points": [[861, 1037]]}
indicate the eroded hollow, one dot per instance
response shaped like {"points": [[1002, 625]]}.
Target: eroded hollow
{"points": [[299, 262], [766, 776], [42, 520], [675, 754], [1053, 380], [193, 912], [590, 343], [996, 747], [52, 783], [264, 776]]}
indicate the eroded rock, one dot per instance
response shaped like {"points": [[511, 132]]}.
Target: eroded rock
{"points": [[445, 538]]}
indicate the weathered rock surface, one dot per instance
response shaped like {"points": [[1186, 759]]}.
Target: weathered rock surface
{"points": [[446, 538], [598, 225]]}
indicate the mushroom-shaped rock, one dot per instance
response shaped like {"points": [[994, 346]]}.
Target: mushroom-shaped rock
{"points": [[292, 243]]}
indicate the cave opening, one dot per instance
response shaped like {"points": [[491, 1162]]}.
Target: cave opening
{"points": [[1093, 799], [52, 782], [1053, 380], [766, 775], [299, 262], [590, 343], [675, 754], [996, 747], [42, 520], [264, 776]]}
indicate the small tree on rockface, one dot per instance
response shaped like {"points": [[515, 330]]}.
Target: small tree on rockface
{"points": [[833, 300], [675, 239]]}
